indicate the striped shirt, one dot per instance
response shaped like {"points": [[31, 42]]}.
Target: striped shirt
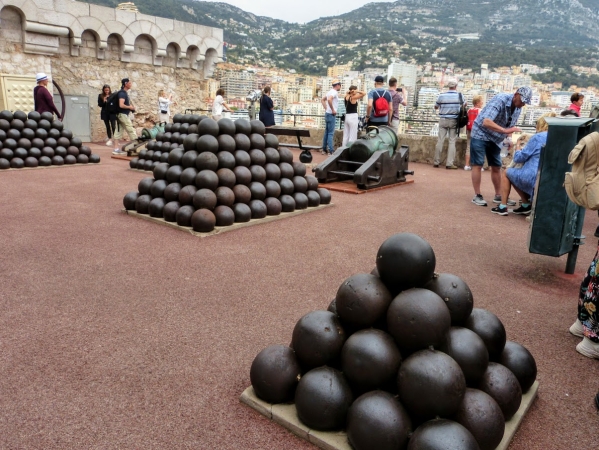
{"points": [[449, 104], [499, 110]]}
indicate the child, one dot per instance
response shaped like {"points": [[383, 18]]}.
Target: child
{"points": [[477, 102], [520, 144]]}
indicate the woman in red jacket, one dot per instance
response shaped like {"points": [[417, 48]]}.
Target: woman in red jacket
{"points": [[42, 99]]}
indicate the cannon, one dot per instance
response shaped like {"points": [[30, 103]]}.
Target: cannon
{"points": [[371, 161], [147, 134]]}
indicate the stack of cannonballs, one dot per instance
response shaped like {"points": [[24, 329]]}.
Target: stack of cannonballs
{"points": [[400, 360], [221, 173], [37, 140]]}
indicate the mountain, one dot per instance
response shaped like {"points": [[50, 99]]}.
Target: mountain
{"points": [[553, 33]]}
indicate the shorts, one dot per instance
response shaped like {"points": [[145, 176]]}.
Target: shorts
{"points": [[480, 148]]}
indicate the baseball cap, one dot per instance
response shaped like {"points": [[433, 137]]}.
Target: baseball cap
{"points": [[336, 82], [452, 84], [41, 77], [124, 81], [525, 94], [379, 79]]}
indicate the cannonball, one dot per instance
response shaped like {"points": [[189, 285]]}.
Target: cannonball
{"points": [[60, 151], [456, 294], [225, 196], [226, 177], [376, 420], [287, 203], [242, 142], [207, 161], [273, 189], [173, 174], [57, 125], [274, 374], [243, 126], [271, 155], [273, 206], [39, 143], [313, 198], [41, 133], [31, 124], [20, 115], [242, 212], [188, 176], [30, 161], [46, 116], [203, 221], [272, 172], [194, 119], [175, 157], [66, 133], [45, 161], [469, 351], [207, 143], [184, 214], [323, 398], [52, 132], [71, 150], [257, 157], [13, 134], [170, 211], [144, 185], [405, 260], [156, 206], [224, 216], [177, 118], [208, 127], [157, 188], [42, 124], [193, 129], [226, 143], [6, 153], [17, 124], [243, 175], [130, 199], [430, 384], [258, 190], [226, 127], [186, 194], [287, 187], [361, 300], [9, 143], [159, 171], [442, 434], [301, 201], [204, 199], [17, 163], [226, 160], [271, 140], [189, 159], [164, 157], [171, 193], [242, 158], [286, 170], [186, 120], [184, 129], [488, 326], [500, 383], [20, 152], [5, 124], [370, 359], [242, 193], [190, 142], [155, 157], [57, 160], [299, 170], [285, 155], [258, 208], [482, 416], [148, 165], [63, 142], [76, 142], [257, 127], [94, 158], [318, 338], [257, 141], [258, 174], [312, 183], [142, 204], [207, 179], [300, 184], [82, 159], [34, 115], [85, 150], [28, 133], [172, 146], [520, 362]]}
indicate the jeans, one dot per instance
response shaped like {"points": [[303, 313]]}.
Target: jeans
{"points": [[350, 129], [327, 138], [110, 126], [447, 127]]}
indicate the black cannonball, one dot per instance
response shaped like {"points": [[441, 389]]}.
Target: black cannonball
{"points": [[46, 116], [242, 142], [41, 133], [186, 194], [177, 118], [94, 158], [257, 127], [207, 143], [65, 133], [361, 300], [9, 143], [130, 199], [30, 161], [274, 374], [203, 221], [258, 190], [225, 196], [520, 361], [175, 157], [207, 179], [442, 434], [500, 383], [148, 165], [190, 142], [204, 199], [52, 132], [142, 204], [376, 420], [312, 182], [71, 150], [157, 188], [76, 142], [242, 193], [155, 157], [5, 124], [226, 160], [17, 124], [184, 214], [242, 212], [258, 208], [42, 124], [57, 160], [185, 120], [85, 150], [299, 170], [313, 199], [488, 326], [31, 124], [20, 115], [156, 207], [171, 193], [455, 293], [173, 174], [430, 384], [287, 203], [60, 151], [45, 161], [305, 157], [370, 359], [193, 129], [164, 157], [226, 127], [28, 133], [482, 416], [3, 135], [405, 260], [70, 159], [285, 155], [273, 172], [300, 184], [194, 119], [287, 187], [188, 176], [207, 161], [208, 127], [243, 126], [243, 175], [258, 174], [17, 163], [272, 155], [82, 159], [13, 134], [257, 157], [20, 152], [318, 338], [323, 398], [57, 124], [224, 215], [301, 201], [257, 141], [273, 206], [6, 153], [271, 140], [242, 158], [469, 351], [159, 171], [273, 189], [34, 115], [39, 143], [170, 211], [184, 129], [189, 159], [226, 177], [286, 170]]}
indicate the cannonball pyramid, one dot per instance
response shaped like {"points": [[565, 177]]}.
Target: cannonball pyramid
{"points": [[400, 360], [37, 140], [209, 174]]}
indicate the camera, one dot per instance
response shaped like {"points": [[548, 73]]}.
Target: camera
{"points": [[400, 89]]}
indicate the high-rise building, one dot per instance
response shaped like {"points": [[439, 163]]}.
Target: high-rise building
{"points": [[338, 71], [237, 83], [406, 74]]}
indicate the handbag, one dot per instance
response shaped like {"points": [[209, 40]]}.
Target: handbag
{"points": [[163, 111]]}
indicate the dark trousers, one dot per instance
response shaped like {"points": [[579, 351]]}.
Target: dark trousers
{"points": [[110, 126]]}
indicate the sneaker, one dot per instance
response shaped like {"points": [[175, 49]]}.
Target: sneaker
{"points": [[499, 210], [588, 348], [482, 169], [467, 168], [497, 199], [452, 167], [436, 166], [524, 211], [479, 200], [511, 202], [576, 329], [118, 151], [322, 152], [108, 142]]}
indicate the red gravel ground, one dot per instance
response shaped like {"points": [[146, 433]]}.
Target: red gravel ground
{"points": [[118, 333]]}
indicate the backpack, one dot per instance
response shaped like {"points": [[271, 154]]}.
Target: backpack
{"points": [[463, 114], [381, 105], [112, 103], [595, 112], [582, 184]]}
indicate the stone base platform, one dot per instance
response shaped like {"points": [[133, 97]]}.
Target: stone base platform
{"points": [[50, 167], [123, 157], [349, 187], [285, 414]]}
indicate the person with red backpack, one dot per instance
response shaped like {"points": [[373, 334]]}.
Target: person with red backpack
{"points": [[477, 102], [380, 104]]}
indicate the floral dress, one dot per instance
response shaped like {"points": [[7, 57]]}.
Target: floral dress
{"points": [[588, 301]]}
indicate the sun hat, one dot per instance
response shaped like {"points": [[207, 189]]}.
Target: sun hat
{"points": [[41, 77]]}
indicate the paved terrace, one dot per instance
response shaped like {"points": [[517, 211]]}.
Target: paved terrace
{"points": [[119, 333]]}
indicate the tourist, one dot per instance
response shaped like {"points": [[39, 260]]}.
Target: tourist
{"points": [[577, 100], [330, 103], [523, 177], [267, 107], [42, 99], [448, 103], [164, 106], [398, 97], [123, 121], [219, 105], [350, 128], [477, 102], [569, 113], [587, 323], [495, 121], [107, 117], [374, 116]]}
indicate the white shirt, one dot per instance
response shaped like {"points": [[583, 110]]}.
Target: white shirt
{"points": [[164, 105], [335, 100], [217, 106]]}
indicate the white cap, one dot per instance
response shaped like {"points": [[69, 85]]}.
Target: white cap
{"points": [[41, 77]]}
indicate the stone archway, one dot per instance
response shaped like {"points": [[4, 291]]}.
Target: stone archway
{"points": [[114, 48]]}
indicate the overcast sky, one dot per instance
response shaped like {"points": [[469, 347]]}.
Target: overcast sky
{"points": [[300, 11]]}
